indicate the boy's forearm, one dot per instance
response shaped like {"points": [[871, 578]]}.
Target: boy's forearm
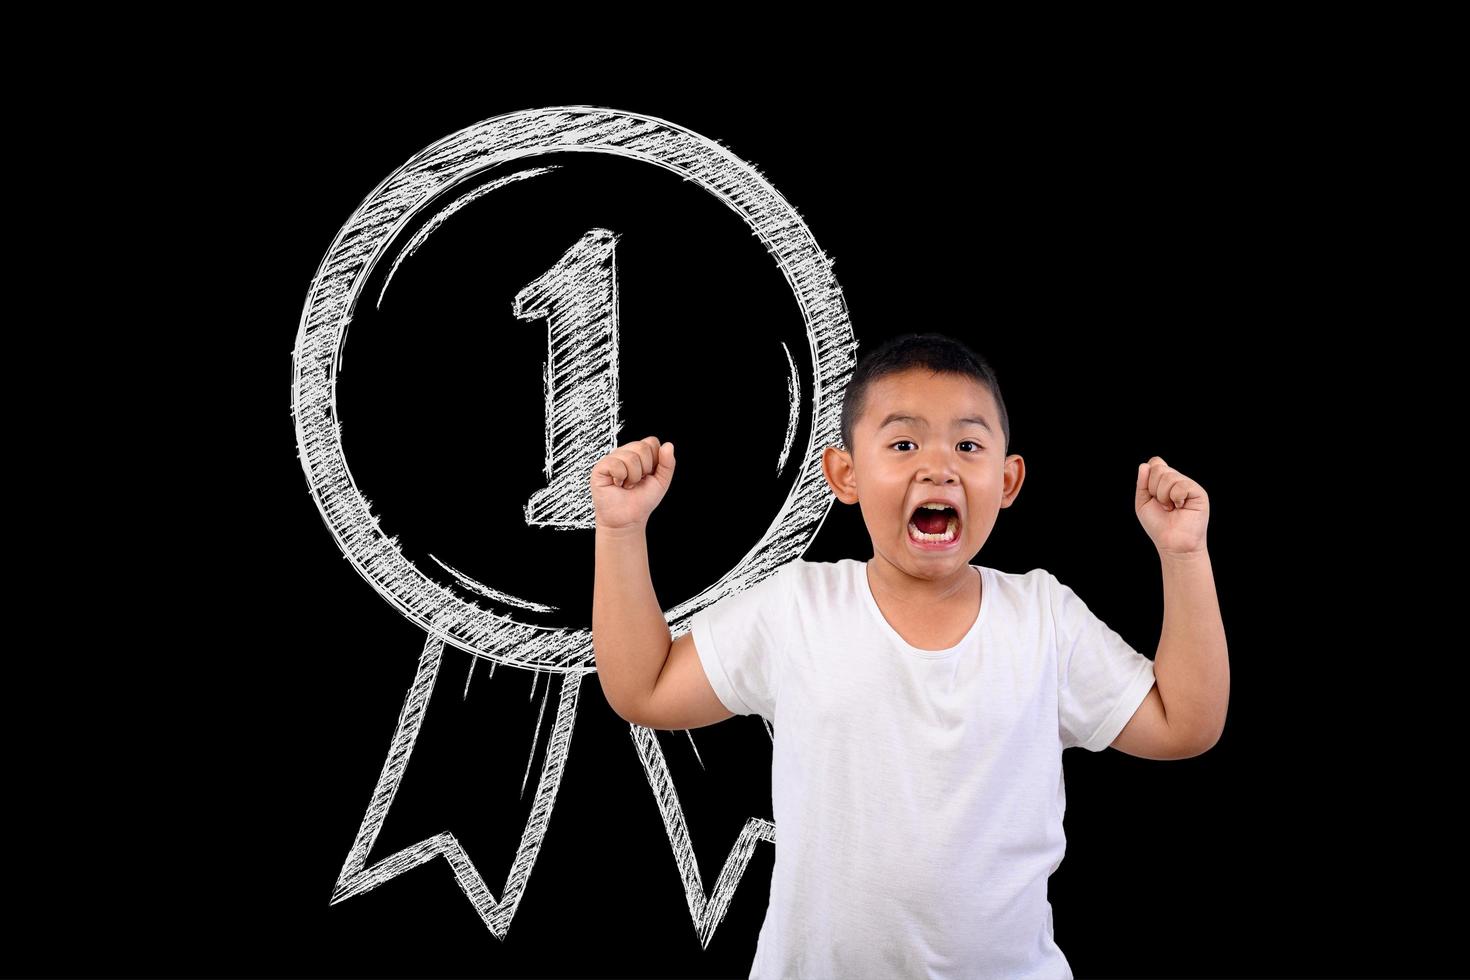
{"points": [[630, 638], [1192, 667]]}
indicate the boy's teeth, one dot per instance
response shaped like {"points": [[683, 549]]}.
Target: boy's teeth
{"points": [[948, 534]]}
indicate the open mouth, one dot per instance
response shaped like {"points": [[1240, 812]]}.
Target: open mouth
{"points": [[934, 524]]}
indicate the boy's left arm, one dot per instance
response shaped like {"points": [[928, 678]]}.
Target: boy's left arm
{"points": [[1185, 714]]}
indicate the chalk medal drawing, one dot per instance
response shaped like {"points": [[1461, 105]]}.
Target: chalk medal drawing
{"points": [[577, 299]]}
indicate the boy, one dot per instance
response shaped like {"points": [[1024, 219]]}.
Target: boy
{"points": [[924, 701]]}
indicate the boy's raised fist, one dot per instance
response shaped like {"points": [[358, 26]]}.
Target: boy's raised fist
{"points": [[629, 482]]}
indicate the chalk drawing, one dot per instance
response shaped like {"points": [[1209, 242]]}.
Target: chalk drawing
{"points": [[577, 298], [437, 221], [485, 590], [793, 415]]}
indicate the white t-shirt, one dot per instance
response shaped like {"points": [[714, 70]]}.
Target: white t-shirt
{"points": [[917, 794]]}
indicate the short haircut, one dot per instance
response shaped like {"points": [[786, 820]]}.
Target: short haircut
{"points": [[934, 351]]}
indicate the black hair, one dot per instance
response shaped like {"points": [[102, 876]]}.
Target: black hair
{"points": [[934, 351]]}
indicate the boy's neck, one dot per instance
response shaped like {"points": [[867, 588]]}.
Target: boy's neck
{"points": [[893, 584]]}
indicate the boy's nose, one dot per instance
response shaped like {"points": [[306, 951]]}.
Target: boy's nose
{"points": [[937, 473]]}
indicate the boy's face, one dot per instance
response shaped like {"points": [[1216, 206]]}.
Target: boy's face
{"points": [[920, 438]]}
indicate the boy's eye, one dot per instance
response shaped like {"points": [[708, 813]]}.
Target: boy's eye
{"points": [[963, 442]]}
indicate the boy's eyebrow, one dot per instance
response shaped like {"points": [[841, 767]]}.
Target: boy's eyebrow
{"points": [[915, 420]]}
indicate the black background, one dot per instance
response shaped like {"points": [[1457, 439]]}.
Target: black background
{"points": [[1175, 274]]}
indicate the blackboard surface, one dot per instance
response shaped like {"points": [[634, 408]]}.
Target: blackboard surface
{"points": [[1144, 281]]}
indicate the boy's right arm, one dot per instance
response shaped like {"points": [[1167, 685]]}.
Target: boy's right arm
{"points": [[646, 679]]}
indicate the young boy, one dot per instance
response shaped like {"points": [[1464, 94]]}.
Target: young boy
{"points": [[924, 702]]}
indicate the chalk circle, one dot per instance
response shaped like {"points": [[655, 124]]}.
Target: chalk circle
{"points": [[364, 240]]}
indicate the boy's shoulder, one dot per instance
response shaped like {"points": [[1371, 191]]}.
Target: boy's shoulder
{"points": [[802, 575]]}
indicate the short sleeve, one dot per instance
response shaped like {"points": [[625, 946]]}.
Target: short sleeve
{"points": [[738, 640], [1101, 680]]}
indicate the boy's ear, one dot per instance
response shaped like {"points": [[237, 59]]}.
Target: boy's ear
{"points": [[837, 467], [1015, 475]]}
